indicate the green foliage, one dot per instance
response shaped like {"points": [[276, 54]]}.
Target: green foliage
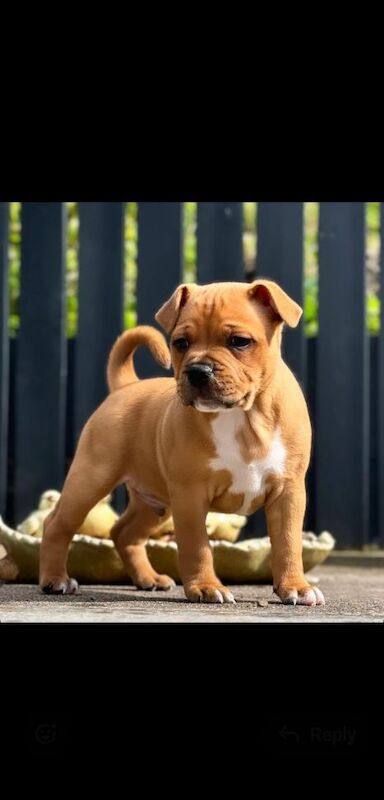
{"points": [[373, 224], [373, 314], [190, 250], [130, 248], [311, 220], [72, 268], [311, 305], [14, 266]]}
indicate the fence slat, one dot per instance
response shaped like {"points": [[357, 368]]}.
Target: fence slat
{"points": [[381, 387], [4, 354], [41, 367], [374, 443], [101, 302], [310, 516], [280, 258], [341, 432], [160, 268], [219, 242]]}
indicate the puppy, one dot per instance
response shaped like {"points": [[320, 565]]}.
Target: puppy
{"points": [[230, 433]]}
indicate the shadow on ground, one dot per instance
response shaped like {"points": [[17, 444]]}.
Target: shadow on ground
{"points": [[353, 594]]}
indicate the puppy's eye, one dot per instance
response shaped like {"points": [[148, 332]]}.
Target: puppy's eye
{"points": [[240, 342], [181, 344]]}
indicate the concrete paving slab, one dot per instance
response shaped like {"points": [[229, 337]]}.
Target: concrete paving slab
{"points": [[353, 594]]}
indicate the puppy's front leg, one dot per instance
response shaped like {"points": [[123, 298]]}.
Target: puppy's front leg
{"points": [[285, 517], [195, 555]]}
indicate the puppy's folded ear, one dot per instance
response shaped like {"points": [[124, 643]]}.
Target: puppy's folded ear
{"points": [[168, 314], [280, 306]]}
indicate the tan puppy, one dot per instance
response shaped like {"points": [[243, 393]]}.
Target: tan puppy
{"points": [[231, 434]]}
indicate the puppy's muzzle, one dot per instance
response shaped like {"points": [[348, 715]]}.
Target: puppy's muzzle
{"points": [[199, 375]]}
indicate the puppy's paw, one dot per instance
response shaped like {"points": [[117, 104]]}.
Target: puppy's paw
{"points": [[208, 593], [57, 585], [304, 596], [154, 582]]}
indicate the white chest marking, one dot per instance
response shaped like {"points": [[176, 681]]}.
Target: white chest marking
{"points": [[247, 479]]}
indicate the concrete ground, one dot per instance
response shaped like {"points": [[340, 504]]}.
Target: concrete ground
{"points": [[353, 594]]}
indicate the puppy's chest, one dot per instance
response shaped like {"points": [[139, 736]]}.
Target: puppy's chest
{"points": [[248, 477]]}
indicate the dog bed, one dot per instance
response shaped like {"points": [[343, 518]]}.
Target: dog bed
{"points": [[93, 560]]}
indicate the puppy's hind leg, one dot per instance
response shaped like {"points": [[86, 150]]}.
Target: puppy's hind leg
{"points": [[130, 534], [82, 490]]}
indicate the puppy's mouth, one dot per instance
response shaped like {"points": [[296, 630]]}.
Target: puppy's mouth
{"points": [[200, 388], [212, 404]]}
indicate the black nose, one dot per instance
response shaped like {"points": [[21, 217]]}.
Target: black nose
{"points": [[199, 374]]}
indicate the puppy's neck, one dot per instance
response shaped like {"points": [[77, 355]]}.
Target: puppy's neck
{"points": [[263, 416]]}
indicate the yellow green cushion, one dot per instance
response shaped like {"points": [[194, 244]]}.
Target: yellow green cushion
{"points": [[94, 560]]}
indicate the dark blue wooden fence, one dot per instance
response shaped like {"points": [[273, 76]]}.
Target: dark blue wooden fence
{"points": [[41, 357], [50, 385], [4, 354], [160, 267], [101, 297]]}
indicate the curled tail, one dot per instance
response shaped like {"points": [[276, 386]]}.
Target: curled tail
{"points": [[120, 368]]}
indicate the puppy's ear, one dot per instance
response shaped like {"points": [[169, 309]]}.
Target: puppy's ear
{"points": [[280, 306], [168, 314]]}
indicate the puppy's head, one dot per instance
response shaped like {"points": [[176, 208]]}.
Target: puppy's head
{"points": [[225, 340]]}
